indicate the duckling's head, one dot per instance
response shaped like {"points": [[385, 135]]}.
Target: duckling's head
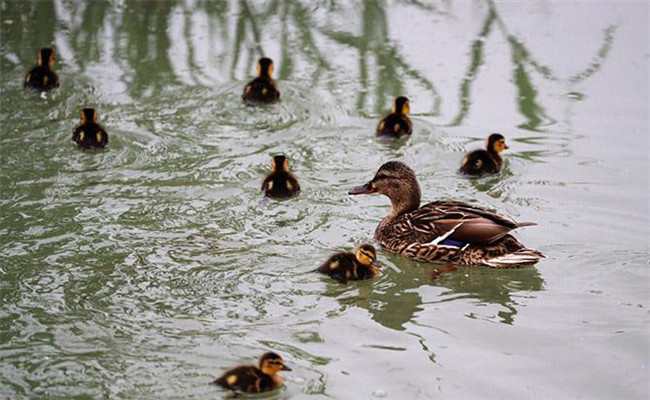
{"points": [[401, 106], [397, 181], [264, 67], [88, 115], [271, 363], [366, 254], [280, 163], [496, 143], [46, 57]]}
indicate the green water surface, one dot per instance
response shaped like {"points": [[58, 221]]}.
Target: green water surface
{"points": [[145, 270]]}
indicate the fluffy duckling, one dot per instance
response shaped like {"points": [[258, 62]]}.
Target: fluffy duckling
{"points": [[397, 123], [251, 379], [349, 266], [42, 77], [89, 134], [446, 231], [280, 183], [481, 161], [262, 89]]}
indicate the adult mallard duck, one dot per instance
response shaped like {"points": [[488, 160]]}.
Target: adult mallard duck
{"points": [[280, 183], [42, 77], [251, 379], [349, 266], [262, 89], [89, 134], [482, 161], [443, 231], [397, 123]]}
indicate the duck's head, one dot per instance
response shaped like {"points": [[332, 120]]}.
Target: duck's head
{"points": [[367, 255], [280, 163], [496, 143], [401, 106], [88, 115], [46, 57], [271, 363], [397, 181], [264, 67]]}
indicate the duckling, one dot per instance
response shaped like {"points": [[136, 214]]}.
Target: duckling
{"points": [[481, 161], [42, 77], [280, 183], [397, 123], [349, 266], [251, 379], [262, 89], [445, 231], [89, 134]]}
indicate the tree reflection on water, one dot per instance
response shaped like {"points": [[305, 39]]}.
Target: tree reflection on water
{"points": [[138, 37]]}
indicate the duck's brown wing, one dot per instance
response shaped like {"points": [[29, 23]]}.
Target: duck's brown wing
{"points": [[456, 220]]}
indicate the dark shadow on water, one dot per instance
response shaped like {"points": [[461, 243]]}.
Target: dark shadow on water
{"points": [[393, 299]]}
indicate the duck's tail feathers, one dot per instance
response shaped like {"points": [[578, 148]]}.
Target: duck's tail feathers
{"points": [[520, 258], [522, 224]]}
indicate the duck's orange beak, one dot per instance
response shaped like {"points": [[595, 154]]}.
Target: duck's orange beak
{"points": [[363, 189]]}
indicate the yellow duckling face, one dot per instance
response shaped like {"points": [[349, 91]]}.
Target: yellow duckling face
{"points": [[280, 163], [401, 105], [271, 363], [46, 56], [366, 254], [496, 142], [88, 115], [264, 67]]}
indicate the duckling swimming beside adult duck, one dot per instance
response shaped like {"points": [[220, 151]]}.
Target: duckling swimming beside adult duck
{"points": [[263, 88], [349, 266], [443, 231], [89, 134], [251, 379], [486, 160], [397, 123], [280, 183], [42, 77]]}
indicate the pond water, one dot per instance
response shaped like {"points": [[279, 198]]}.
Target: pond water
{"points": [[147, 269]]}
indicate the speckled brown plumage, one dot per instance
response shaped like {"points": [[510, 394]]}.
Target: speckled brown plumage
{"points": [[443, 231]]}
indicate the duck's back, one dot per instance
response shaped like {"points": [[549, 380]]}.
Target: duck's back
{"points": [[340, 266], [394, 126], [261, 90], [444, 222], [280, 185], [41, 78], [479, 162], [90, 135], [246, 379]]}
